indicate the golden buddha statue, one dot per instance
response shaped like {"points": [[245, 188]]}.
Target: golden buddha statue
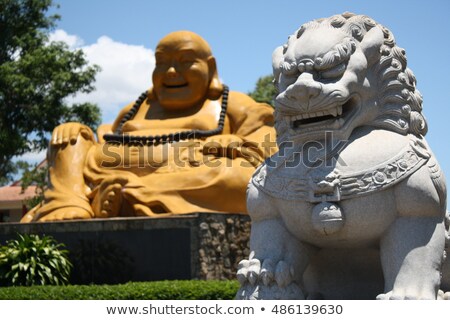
{"points": [[186, 145]]}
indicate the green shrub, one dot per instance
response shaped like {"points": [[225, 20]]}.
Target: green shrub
{"points": [[31, 260], [157, 290]]}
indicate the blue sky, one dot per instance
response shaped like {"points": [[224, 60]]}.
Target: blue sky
{"points": [[243, 35]]}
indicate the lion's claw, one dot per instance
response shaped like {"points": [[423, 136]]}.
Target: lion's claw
{"points": [[267, 274], [284, 274], [254, 270], [249, 271], [242, 271]]}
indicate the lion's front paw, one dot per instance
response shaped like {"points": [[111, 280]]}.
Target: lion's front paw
{"points": [[268, 272], [421, 287], [267, 280], [409, 294]]}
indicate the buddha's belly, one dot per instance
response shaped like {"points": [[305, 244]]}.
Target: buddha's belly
{"points": [[142, 160]]}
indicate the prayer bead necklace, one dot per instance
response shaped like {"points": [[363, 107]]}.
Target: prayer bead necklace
{"points": [[121, 138]]}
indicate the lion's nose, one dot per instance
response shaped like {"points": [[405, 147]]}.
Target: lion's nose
{"points": [[303, 89]]}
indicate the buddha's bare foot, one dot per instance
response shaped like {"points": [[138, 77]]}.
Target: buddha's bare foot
{"points": [[107, 199], [110, 201], [67, 213], [30, 216]]}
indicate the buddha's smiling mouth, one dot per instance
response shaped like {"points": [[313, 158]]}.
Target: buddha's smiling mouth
{"points": [[175, 85]]}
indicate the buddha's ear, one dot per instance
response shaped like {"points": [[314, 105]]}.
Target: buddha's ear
{"points": [[215, 86]]}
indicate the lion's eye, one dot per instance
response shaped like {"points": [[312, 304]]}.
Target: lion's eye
{"points": [[335, 72]]}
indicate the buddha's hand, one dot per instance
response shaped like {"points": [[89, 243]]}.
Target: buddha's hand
{"points": [[225, 145], [69, 132]]}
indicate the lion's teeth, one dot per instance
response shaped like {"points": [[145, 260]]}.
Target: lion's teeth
{"points": [[333, 112]]}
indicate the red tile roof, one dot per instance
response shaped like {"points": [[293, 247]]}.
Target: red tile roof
{"points": [[13, 193]]}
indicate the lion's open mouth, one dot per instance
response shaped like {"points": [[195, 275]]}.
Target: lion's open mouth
{"points": [[336, 115], [319, 116]]}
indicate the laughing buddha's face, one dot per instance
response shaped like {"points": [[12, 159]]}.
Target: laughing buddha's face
{"points": [[183, 71]]}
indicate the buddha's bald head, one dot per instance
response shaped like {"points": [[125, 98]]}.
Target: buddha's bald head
{"points": [[182, 39], [185, 72]]}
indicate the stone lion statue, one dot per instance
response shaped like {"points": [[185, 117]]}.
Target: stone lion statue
{"points": [[353, 206]]}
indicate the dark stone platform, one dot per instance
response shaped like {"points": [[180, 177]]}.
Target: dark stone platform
{"points": [[117, 250]]}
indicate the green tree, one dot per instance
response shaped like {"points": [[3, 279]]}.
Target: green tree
{"points": [[33, 175], [36, 77], [264, 91]]}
